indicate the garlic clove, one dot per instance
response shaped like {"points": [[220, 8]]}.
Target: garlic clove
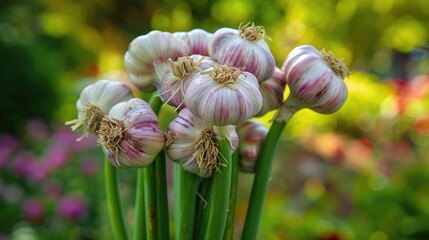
{"points": [[272, 91], [95, 102], [197, 41], [130, 135], [224, 95], [179, 75], [251, 134], [245, 47], [148, 52], [315, 79], [191, 143]]}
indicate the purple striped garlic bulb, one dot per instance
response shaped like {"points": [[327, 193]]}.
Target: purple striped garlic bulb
{"points": [[178, 76], [130, 135], [191, 142], [245, 47], [197, 41], [316, 81], [272, 91], [224, 95], [95, 102], [147, 58], [251, 134]]}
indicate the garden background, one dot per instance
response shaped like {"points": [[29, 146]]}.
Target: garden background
{"points": [[361, 173]]}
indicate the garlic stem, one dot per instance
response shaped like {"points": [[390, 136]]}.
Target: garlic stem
{"points": [[229, 229], [260, 182], [114, 201], [218, 197]]}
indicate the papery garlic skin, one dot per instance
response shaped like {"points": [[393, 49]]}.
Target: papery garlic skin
{"points": [[130, 135], [95, 102], [251, 135], [147, 58], [224, 95], [315, 80], [179, 75], [272, 91], [197, 41], [183, 136], [236, 48]]}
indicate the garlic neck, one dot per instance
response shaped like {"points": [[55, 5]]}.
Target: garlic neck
{"points": [[226, 76], [335, 64], [251, 32], [184, 66]]}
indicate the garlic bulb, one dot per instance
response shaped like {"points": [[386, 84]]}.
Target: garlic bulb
{"points": [[251, 135], [244, 47], [197, 41], [315, 80], [191, 142], [95, 102], [272, 91], [224, 95], [178, 77], [147, 58], [130, 135]]}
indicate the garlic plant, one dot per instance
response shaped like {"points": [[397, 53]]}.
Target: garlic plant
{"points": [[243, 48], [315, 79], [196, 40], [95, 102], [191, 143], [130, 135], [217, 82], [251, 134], [272, 91], [147, 58], [179, 75], [224, 95]]}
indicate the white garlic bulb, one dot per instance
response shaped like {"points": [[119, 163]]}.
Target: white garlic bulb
{"points": [[272, 91], [147, 58], [197, 41], [130, 135], [251, 135], [95, 102], [315, 79], [191, 142], [244, 47], [179, 75], [224, 95]]}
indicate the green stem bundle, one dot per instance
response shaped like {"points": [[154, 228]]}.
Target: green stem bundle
{"points": [[114, 202], [260, 183]]}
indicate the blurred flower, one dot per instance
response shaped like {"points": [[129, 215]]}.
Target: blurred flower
{"points": [[22, 164], [89, 166], [37, 129], [13, 193], [71, 208], [57, 155], [33, 210], [52, 189], [65, 135]]}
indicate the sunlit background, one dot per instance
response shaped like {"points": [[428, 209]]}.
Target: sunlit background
{"points": [[361, 173]]}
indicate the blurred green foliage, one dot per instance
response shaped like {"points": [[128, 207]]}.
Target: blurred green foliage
{"points": [[358, 174]]}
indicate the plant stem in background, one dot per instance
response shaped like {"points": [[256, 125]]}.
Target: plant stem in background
{"points": [[114, 202], [139, 225], [229, 231], [177, 194], [190, 184], [161, 197], [218, 199], [150, 201], [260, 182]]}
